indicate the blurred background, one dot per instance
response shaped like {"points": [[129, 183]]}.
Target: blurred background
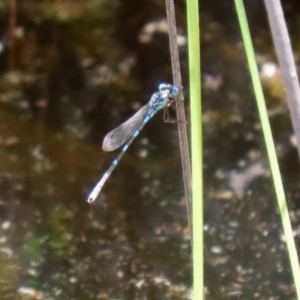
{"points": [[70, 71]]}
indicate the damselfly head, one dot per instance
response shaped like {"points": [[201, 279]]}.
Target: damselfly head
{"points": [[173, 89]]}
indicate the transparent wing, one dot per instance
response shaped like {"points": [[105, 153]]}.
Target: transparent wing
{"points": [[120, 135]]}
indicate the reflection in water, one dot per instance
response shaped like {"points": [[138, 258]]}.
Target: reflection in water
{"points": [[148, 32], [240, 180]]}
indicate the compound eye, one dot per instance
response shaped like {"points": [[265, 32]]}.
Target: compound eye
{"points": [[175, 90], [163, 86]]}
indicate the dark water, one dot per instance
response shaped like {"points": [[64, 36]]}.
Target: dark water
{"points": [[76, 71]]}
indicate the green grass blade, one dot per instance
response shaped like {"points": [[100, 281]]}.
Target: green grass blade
{"points": [[196, 146], [282, 204]]}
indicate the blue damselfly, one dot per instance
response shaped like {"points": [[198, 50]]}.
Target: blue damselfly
{"points": [[125, 133]]}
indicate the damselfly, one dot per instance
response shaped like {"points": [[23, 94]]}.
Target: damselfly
{"points": [[125, 133]]}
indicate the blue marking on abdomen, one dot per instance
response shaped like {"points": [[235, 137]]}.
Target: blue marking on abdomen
{"points": [[136, 133], [125, 148], [146, 119]]}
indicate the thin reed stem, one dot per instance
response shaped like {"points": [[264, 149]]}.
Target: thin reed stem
{"points": [[286, 60], [182, 124]]}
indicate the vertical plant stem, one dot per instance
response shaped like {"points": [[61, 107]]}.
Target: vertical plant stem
{"points": [[286, 61], [196, 145], [182, 128]]}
